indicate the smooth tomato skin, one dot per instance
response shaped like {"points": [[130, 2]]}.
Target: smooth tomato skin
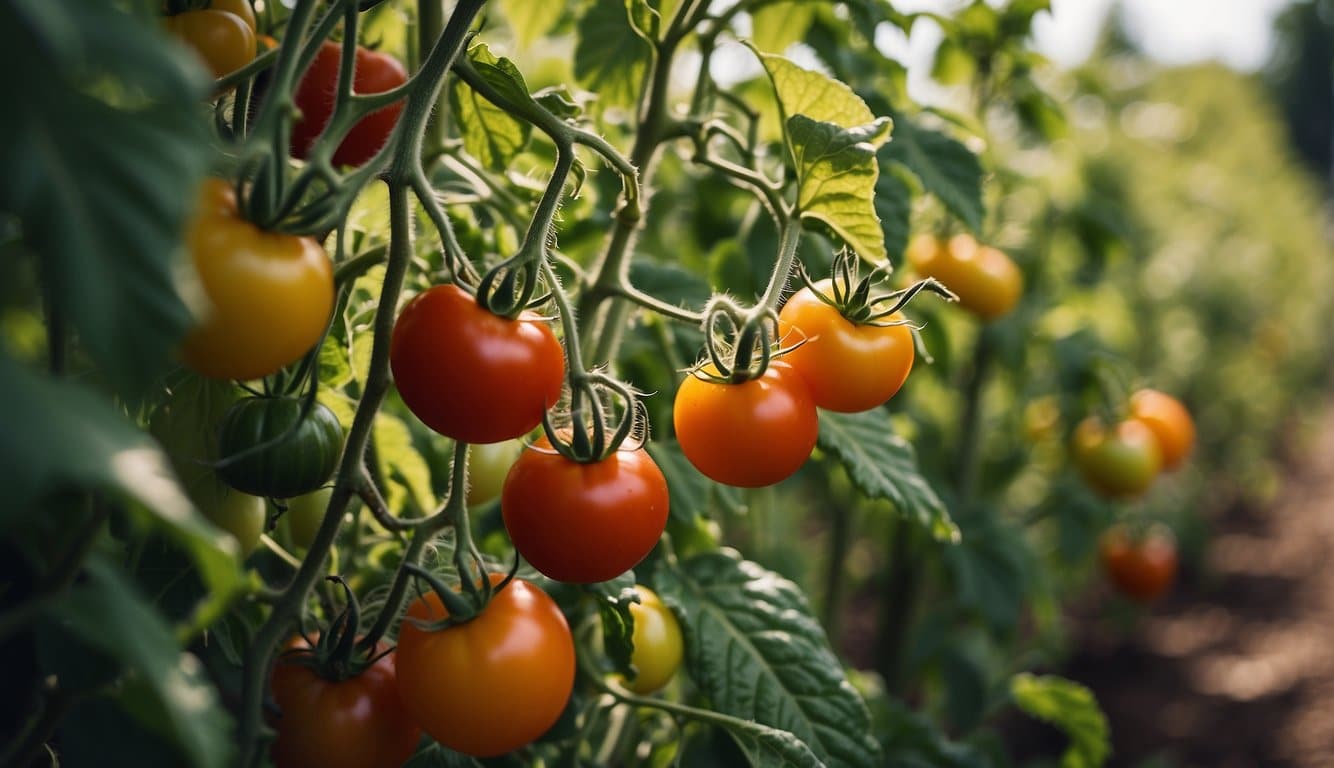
{"points": [[986, 281], [240, 514], [472, 375], [269, 295], [751, 434], [304, 516], [354, 723], [304, 459], [1120, 463], [657, 640], [1141, 568], [224, 40], [493, 684], [488, 466], [374, 72], [847, 367], [1170, 421], [584, 523]]}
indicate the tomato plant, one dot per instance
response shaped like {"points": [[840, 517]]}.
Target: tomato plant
{"points": [[271, 446], [1142, 565], [657, 640], [986, 281], [357, 722], [584, 522], [1170, 421], [1119, 461], [269, 295], [848, 367], [374, 72], [751, 434], [494, 683], [470, 374], [223, 34]]}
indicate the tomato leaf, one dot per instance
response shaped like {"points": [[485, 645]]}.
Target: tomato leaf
{"points": [[490, 134], [101, 167], [836, 179], [176, 697], [530, 19], [817, 96], [946, 167], [405, 472], [776, 26], [757, 653], [1070, 707], [618, 624], [884, 466], [989, 569], [610, 56], [913, 741], [893, 204]]}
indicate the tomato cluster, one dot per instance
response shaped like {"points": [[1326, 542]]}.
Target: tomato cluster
{"points": [[223, 34], [986, 281], [1122, 461]]}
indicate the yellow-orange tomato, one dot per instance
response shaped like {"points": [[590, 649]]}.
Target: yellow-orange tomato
{"points": [[657, 640], [847, 367], [223, 34], [269, 294], [1170, 421], [986, 281], [1141, 567], [1117, 463]]}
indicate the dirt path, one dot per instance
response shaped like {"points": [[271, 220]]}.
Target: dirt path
{"points": [[1237, 668]]}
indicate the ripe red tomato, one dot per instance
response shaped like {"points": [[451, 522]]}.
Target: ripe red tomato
{"points": [[750, 434], [657, 641], [1118, 463], [1142, 567], [375, 73], [470, 374], [847, 367], [269, 294], [354, 723], [493, 684], [986, 281], [1170, 421], [584, 523], [223, 34]]}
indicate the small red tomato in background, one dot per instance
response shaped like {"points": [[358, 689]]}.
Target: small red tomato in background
{"points": [[470, 374], [751, 434], [584, 523], [847, 367], [375, 73], [1141, 567], [1170, 421], [1119, 462]]}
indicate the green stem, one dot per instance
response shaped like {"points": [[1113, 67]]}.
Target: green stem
{"points": [[840, 539], [430, 23], [970, 425], [900, 603]]}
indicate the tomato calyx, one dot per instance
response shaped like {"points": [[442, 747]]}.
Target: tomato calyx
{"points": [[460, 606], [854, 296], [334, 653]]}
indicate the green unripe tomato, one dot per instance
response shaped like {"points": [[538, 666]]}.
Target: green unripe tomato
{"points": [[305, 514], [488, 464], [240, 514], [286, 466]]}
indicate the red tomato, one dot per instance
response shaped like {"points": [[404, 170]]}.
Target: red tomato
{"points": [[986, 281], [470, 374], [1119, 463], [750, 434], [492, 684], [374, 73], [354, 723], [1170, 421], [584, 523], [847, 367], [1143, 567]]}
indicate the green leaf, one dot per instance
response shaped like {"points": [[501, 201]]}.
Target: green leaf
{"points": [[670, 283], [765, 746], [686, 487], [946, 167], [56, 435], [610, 57], [815, 95], [778, 25], [757, 653], [988, 569], [836, 178], [489, 133], [913, 742], [884, 466], [175, 695], [406, 473], [614, 599], [893, 204], [102, 163], [1070, 707], [530, 19]]}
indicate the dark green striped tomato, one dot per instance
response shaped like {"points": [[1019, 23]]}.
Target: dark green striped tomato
{"points": [[281, 454]]}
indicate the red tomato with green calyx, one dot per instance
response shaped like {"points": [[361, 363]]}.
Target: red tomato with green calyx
{"points": [[470, 374], [1141, 567], [1170, 421], [1117, 463], [375, 72], [584, 523]]}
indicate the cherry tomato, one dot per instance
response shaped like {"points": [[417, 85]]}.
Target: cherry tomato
{"points": [[751, 434], [987, 282], [269, 295], [1141, 567], [375, 72], [470, 374], [847, 367], [1170, 421], [304, 516], [223, 34], [1041, 418], [240, 514], [296, 464], [657, 640], [488, 464], [1118, 463], [492, 684], [584, 523], [354, 723]]}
